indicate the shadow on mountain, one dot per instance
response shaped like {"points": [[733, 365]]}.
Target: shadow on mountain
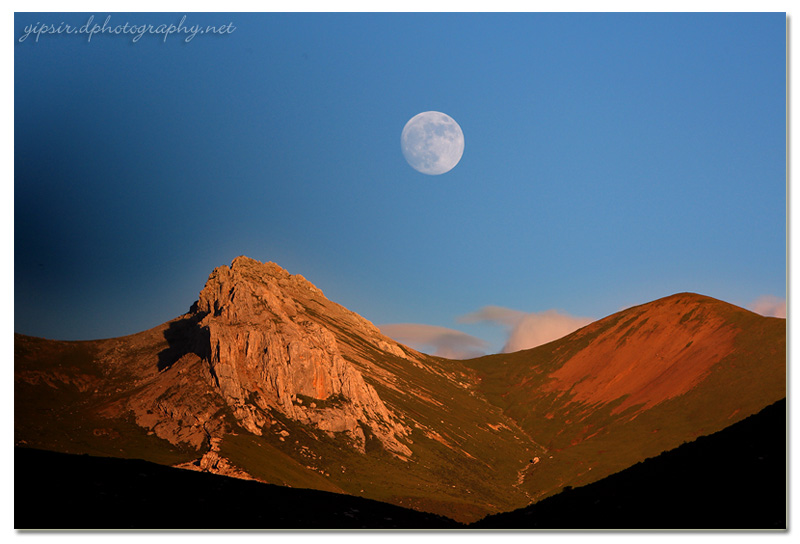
{"points": [[184, 336], [733, 479], [64, 491]]}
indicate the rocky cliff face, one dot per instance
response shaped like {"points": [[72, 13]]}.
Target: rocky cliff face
{"points": [[268, 354]]}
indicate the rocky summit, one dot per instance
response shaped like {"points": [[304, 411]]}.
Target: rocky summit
{"points": [[266, 379], [267, 354]]}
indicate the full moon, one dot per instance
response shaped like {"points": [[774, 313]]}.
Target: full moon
{"points": [[432, 143]]}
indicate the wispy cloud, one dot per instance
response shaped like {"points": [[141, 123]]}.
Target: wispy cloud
{"points": [[527, 330], [439, 341], [770, 306]]}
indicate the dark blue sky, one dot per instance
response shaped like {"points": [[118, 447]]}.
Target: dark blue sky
{"points": [[610, 159]]}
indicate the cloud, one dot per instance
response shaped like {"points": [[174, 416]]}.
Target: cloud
{"points": [[495, 314], [439, 341], [528, 330], [769, 306]]}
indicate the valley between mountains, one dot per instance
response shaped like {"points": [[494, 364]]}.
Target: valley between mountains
{"points": [[266, 379]]}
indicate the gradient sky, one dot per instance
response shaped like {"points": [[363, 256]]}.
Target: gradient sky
{"points": [[610, 160]]}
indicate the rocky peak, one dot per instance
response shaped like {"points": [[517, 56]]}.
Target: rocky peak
{"points": [[268, 353]]}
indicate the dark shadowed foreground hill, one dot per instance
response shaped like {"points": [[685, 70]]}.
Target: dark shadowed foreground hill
{"points": [[733, 479], [65, 491]]}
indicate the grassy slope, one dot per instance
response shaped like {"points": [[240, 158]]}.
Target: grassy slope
{"points": [[588, 442], [466, 453], [56, 404]]}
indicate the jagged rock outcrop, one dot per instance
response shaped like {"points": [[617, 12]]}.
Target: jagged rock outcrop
{"points": [[178, 407], [267, 353], [213, 462]]}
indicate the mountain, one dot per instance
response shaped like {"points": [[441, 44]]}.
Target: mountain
{"points": [[635, 384], [266, 379]]}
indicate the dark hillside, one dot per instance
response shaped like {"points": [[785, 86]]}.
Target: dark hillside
{"points": [[733, 479], [63, 491]]}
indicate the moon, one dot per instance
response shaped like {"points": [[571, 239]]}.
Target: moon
{"points": [[432, 142]]}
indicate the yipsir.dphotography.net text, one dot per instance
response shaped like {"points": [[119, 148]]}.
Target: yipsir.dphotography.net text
{"points": [[136, 31]]}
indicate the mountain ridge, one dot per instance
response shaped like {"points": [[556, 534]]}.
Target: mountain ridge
{"points": [[266, 378]]}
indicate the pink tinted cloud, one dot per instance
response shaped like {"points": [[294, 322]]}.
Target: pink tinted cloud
{"points": [[528, 330], [770, 306], [439, 341]]}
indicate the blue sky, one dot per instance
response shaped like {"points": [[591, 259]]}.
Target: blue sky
{"points": [[610, 159]]}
